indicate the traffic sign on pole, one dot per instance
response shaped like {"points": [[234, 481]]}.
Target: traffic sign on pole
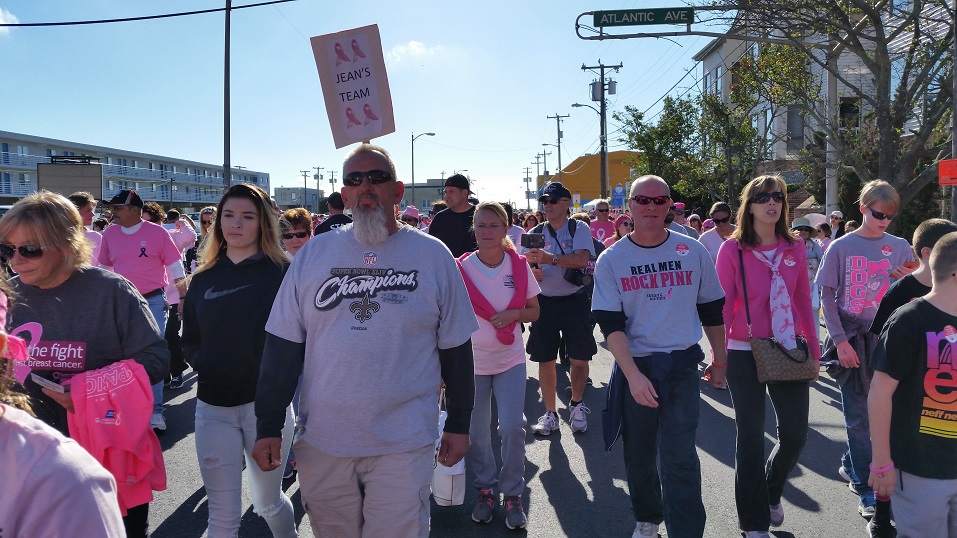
{"points": [[633, 17]]}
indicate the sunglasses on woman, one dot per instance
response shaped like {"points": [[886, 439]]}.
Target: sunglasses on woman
{"points": [[628, 224], [881, 216], [27, 251], [300, 235], [375, 177], [765, 197], [410, 220], [645, 200], [721, 221]]}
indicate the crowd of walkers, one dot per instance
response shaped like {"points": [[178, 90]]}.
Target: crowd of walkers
{"points": [[325, 350]]}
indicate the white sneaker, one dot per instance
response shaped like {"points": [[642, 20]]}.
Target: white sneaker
{"points": [[646, 529], [547, 423], [777, 515], [577, 419], [158, 422]]}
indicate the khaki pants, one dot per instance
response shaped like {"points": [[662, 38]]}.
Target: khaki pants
{"points": [[366, 497]]}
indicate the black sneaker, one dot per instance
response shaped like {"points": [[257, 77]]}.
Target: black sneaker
{"points": [[515, 517], [485, 507], [177, 382]]}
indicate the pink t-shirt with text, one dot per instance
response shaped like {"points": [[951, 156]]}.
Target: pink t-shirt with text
{"points": [[141, 257]]}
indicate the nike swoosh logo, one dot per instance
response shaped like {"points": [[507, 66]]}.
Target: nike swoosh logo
{"points": [[210, 294]]}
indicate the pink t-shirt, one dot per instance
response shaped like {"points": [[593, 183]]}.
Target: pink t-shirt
{"points": [[491, 356], [602, 230], [141, 256]]}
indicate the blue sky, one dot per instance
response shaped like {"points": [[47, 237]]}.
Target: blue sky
{"points": [[483, 76]]}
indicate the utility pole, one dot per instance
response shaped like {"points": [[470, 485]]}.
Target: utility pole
{"points": [[318, 177], [332, 179], [528, 180], [598, 94], [558, 140], [545, 155], [538, 170], [305, 203]]}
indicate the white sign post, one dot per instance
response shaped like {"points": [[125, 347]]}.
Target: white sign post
{"points": [[355, 84]]}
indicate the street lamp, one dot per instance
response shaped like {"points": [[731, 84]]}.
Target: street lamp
{"points": [[414, 137], [603, 154]]}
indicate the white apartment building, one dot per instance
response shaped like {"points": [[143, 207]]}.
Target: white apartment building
{"points": [[180, 183]]}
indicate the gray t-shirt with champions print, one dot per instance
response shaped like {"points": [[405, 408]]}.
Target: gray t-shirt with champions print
{"points": [[373, 320]]}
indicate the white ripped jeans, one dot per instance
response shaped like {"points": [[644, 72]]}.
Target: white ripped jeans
{"points": [[223, 435]]}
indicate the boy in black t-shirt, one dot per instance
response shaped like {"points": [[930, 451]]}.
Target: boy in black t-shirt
{"points": [[913, 417], [916, 284]]}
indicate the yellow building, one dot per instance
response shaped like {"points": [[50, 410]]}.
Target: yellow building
{"points": [[581, 176]]}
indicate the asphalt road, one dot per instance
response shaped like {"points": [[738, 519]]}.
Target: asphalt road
{"points": [[574, 488]]}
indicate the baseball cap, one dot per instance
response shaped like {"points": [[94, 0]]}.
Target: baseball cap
{"points": [[126, 197], [837, 214], [680, 206], [335, 201], [556, 191], [458, 181]]}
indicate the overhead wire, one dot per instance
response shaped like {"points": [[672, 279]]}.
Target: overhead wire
{"points": [[140, 18]]}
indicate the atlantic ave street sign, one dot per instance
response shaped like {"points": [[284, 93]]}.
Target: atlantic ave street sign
{"points": [[633, 17]]}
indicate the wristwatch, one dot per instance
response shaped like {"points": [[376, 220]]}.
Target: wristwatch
{"points": [[554, 259]]}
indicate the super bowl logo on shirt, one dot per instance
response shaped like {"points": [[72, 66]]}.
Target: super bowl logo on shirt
{"points": [[369, 258], [364, 284], [682, 249], [887, 250]]}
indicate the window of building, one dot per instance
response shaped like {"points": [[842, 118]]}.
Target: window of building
{"points": [[718, 80], [768, 128], [23, 150], [850, 112], [707, 82], [51, 152], [795, 129], [5, 182]]}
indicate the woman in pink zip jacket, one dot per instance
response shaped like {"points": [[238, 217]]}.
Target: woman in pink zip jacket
{"points": [[779, 299]]}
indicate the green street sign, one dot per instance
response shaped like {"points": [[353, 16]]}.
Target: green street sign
{"points": [[633, 17]]}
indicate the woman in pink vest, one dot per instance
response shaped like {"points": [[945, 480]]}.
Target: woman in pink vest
{"points": [[504, 294]]}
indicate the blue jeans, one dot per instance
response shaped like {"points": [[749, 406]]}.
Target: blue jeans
{"points": [[854, 401], [675, 496], [157, 306], [509, 390], [223, 436]]}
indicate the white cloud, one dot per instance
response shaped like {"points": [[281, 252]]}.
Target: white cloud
{"points": [[413, 51], [7, 18]]}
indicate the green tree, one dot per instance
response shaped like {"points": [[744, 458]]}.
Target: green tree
{"points": [[901, 85]]}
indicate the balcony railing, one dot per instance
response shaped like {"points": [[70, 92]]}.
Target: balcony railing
{"points": [[118, 175]]}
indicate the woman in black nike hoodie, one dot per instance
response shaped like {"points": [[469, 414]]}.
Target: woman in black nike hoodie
{"points": [[224, 320]]}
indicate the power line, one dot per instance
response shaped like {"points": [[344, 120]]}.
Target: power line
{"points": [[143, 18]]}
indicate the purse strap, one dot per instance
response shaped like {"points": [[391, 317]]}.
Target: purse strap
{"points": [[744, 288]]}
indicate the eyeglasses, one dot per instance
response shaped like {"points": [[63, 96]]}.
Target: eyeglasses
{"points": [[205, 222], [553, 201], [765, 197], [645, 200], [881, 216], [602, 210], [410, 220], [300, 235], [721, 221], [375, 177], [628, 224], [27, 251]]}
